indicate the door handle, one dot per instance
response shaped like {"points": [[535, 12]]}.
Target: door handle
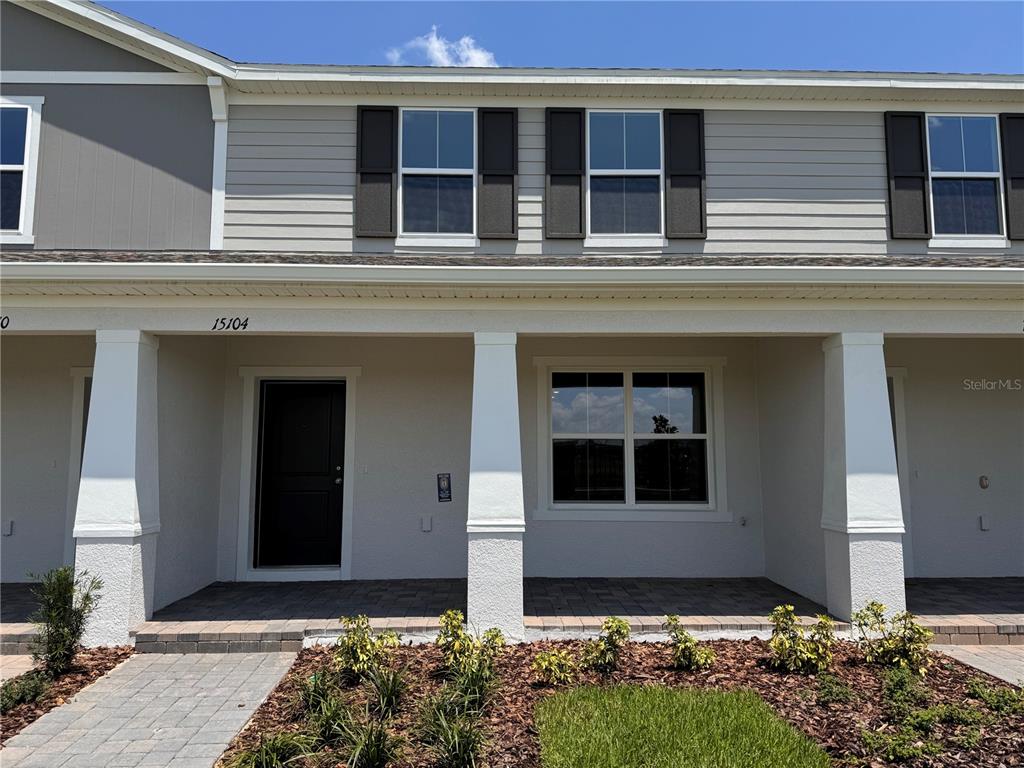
{"points": [[337, 481]]}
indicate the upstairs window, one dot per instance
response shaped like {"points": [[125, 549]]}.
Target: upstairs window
{"points": [[19, 142], [624, 166], [963, 159], [438, 152]]}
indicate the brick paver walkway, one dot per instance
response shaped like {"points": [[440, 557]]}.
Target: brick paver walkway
{"points": [[153, 710], [12, 666], [16, 605], [1005, 662]]}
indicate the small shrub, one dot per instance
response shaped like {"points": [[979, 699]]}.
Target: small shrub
{"points": [[23, 689], [274, 751], [474, 682], [967, 738], [902, 692], [455, 738], [554, 667], [359, 651], [1001, 700], [925, 720], [317, 689], [901, 745], [453, 640], [794, 651], [687, 653], [331, 722], [602, 654], [832, 690], [388, 686], [897, 642], [65, 603], [371, 744]]}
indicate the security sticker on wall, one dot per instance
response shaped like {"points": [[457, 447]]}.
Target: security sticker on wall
{"points": [[444, 486]]}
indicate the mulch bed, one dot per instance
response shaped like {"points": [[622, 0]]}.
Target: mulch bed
{"points": [[513, 738], [90, 664]]}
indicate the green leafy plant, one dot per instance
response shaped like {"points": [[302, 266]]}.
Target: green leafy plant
{"points": [[359, 650], [925, 720], [371, 744], [687, 653], [474, 682], [331, 722], [602, 654], [65, 603], [387, 687], [832, 690], [900, 746], [319, 688], [896, 642], [902, 692], [453, 640], [556, 667], [793, 649], [23, 689], [277, 750], [1001, 700], [455, 737]]}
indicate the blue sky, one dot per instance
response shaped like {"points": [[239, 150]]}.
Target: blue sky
{"points": [[896, 36]]}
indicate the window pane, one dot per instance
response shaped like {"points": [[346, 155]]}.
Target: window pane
{"points": [[419, 203], [455, 140], [946, 144], [981, 206], [419, 139], [10, 199], [668, 403], [455, 204], [642, 204], [966, 206], [606, 205], [588, 470], [671, 470], [13, 121], [643, 141], [587, 403], [606, 141], [980, 153]]}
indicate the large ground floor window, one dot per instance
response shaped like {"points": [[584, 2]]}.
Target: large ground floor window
{"points": [[632, 437]]}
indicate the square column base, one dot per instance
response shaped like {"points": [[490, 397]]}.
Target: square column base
{"points": [[495, 584], [861, 567], [127, 567]]}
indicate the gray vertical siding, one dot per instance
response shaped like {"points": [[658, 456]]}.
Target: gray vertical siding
{"points": [[778, 182], [123, 166]]}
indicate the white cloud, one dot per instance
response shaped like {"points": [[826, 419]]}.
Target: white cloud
{"points": [[439, 51]]}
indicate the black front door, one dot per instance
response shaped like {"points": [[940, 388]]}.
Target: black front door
{"points": [[299, 477]]}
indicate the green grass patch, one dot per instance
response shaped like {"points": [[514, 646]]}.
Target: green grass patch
{"points": [[656, 727]]}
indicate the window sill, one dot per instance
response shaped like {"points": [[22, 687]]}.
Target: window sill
{"points": [[696, 513], [625, 241], [969, 242], [16, 238], [438, 241]]}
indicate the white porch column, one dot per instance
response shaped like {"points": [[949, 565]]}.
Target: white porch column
{"points": [[496, 519], [118, 515], [861, 511]]}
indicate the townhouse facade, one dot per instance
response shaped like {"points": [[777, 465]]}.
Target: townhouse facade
{"points": [[298, 323]]}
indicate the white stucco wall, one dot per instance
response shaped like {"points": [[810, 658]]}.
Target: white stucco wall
{"points": [[955, 435], [790, 406], [35, 438], [191, 393], [633, 548]]}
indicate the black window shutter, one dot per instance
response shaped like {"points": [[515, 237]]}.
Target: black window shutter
{"points": [[685, 186], [376, 170], [1011, 126], [498, 172], [907, 164], [563, 193]]}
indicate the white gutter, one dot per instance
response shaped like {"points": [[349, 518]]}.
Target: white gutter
{"points": [[499, 275]]}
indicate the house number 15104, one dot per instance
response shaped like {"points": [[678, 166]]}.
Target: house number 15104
{"points": [[230, 324]]}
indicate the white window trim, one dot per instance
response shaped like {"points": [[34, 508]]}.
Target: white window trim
{"points": [[25, 235], [944, 240], [716, 509], [251, 376], [436, 239], [626, 239]]}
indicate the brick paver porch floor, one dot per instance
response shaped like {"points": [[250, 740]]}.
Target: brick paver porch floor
{"points": [[16, 605]]}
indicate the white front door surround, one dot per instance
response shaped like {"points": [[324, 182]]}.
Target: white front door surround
{"points": [[496, 517], [117, 517], [862, 514]]}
